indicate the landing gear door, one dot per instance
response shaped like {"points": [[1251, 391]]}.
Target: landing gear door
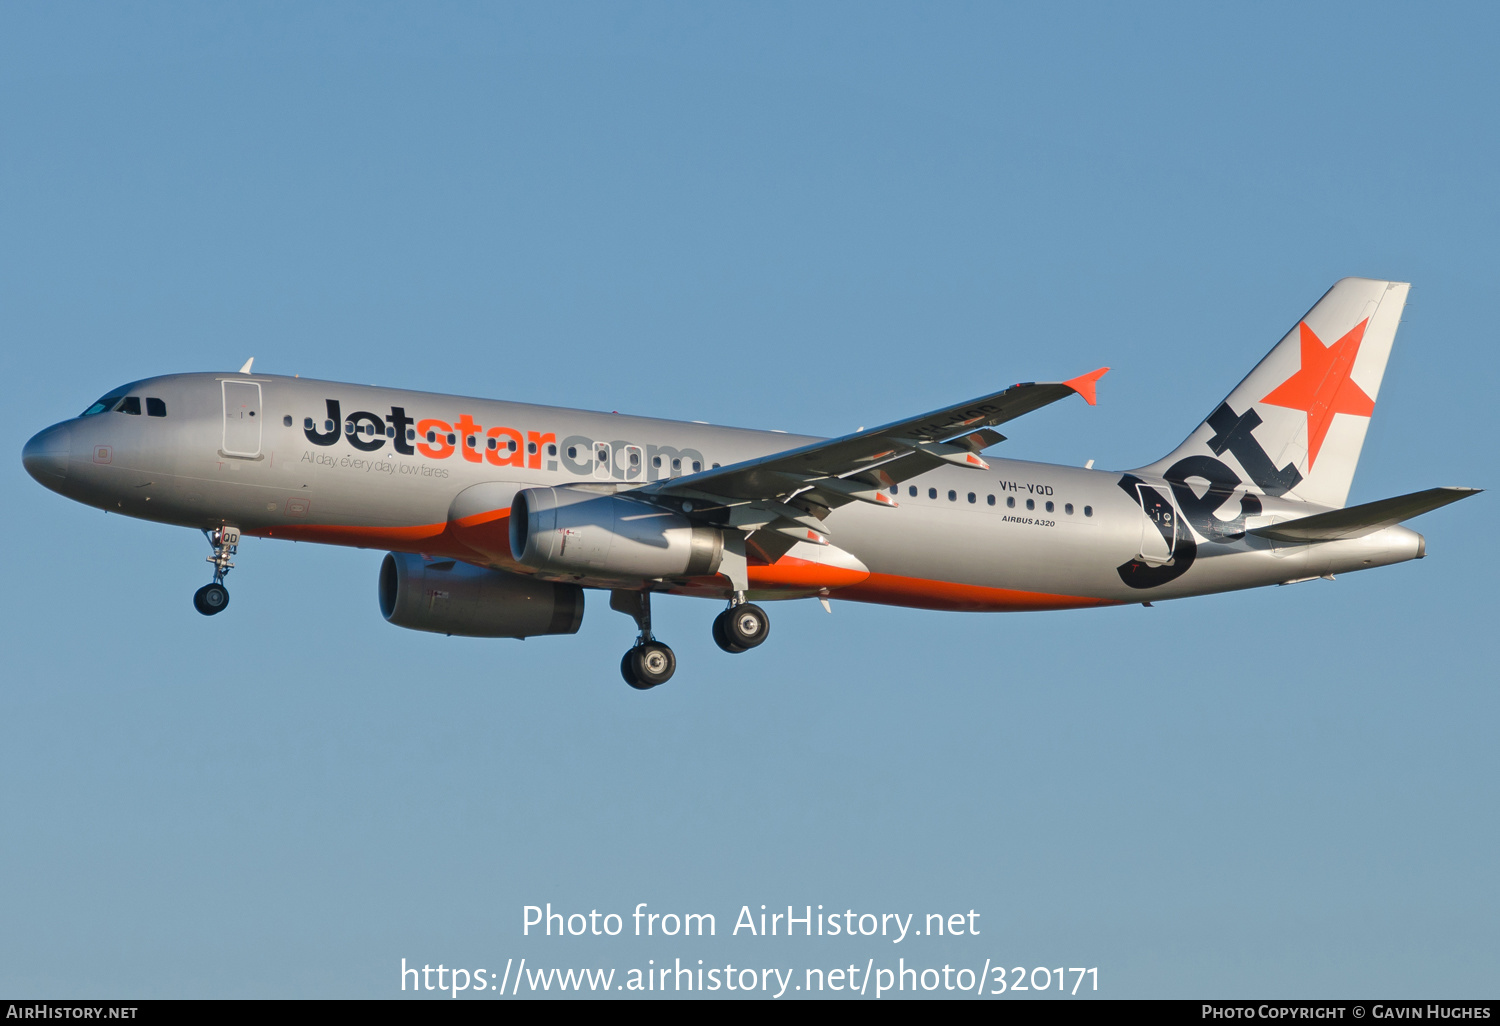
{"points": [[242, 419], [1159, 527]]}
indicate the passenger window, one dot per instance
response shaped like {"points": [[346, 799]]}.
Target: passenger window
{"points": [[531, 448], [1049, 506], [697, 466], [973, 497], [327, 426], [932, 493], [511, 445], [715, 466], [411, 434], [990, 499], [452, 440], [912, 491], [1010, 502], [1088, 511], [307, 424], [676, 464], [491, 443], [572, 452], [157, 408], [285, 421], [1068, 508], [551, 450], [131, 405], [1031, 504], [895, 489], [431, 436]]}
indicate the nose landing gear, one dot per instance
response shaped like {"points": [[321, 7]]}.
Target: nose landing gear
{"points": [[214, 598], [741, 627], [650, 662]]}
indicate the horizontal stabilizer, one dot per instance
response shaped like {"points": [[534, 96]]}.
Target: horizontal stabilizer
{"points": [[1359, 520]]}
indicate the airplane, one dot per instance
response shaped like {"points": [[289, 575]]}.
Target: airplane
{"points": [[498, 516]]}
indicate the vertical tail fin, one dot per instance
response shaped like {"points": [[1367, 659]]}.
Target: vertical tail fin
{"points": [[1296, 424]]}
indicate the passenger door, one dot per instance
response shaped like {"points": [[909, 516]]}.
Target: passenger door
{"points": [[241, 419], [1159, 529]]}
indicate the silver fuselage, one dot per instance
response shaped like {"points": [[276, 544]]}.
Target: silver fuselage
{"points": [[273, 457]]}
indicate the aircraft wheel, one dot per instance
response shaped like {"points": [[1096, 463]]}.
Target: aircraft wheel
{"points": [[648, 665], [211, 599], [627, 670], [745, 626], [720, 637]]}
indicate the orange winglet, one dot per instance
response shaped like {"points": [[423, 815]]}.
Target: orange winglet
{"points": [[1084, 384]]}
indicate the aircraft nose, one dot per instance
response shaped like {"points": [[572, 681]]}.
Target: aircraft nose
{"points": [[45, 457]]}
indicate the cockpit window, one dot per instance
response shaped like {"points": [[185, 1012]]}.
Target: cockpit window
{"points": [[155, 407], [104, 404], [130, 405]]}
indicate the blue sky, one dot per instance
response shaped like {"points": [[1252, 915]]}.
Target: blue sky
{"points": [[806, 217]]}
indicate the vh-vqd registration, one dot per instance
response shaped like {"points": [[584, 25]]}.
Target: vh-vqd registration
{"points": [[499, 516]]}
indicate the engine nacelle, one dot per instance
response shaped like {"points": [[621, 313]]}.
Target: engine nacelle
{"points": [[562, 530], [450, 597]]}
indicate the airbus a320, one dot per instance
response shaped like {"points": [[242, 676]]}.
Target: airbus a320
{"points": [[500, 516]]}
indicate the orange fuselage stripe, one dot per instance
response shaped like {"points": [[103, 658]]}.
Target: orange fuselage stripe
{"points": [[918, 592], [484, 538]]}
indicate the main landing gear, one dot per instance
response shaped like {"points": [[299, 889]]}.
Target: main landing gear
{"points": [[214, 598], [737, 629], [741, 627], [650, 662]]}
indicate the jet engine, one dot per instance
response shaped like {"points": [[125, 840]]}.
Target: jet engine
{"points": [[566, 531], [450, 597]]}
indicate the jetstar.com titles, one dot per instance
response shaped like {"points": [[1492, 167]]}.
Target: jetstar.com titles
{"points": [[500, 446]]}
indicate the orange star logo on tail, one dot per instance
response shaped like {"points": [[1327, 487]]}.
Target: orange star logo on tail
{"points": [[1322, 387]]}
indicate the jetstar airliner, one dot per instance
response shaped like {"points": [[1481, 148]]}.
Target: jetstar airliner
{"points": [[499, 515]]}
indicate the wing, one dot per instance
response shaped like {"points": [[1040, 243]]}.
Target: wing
{"points": [[790, 493]]}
